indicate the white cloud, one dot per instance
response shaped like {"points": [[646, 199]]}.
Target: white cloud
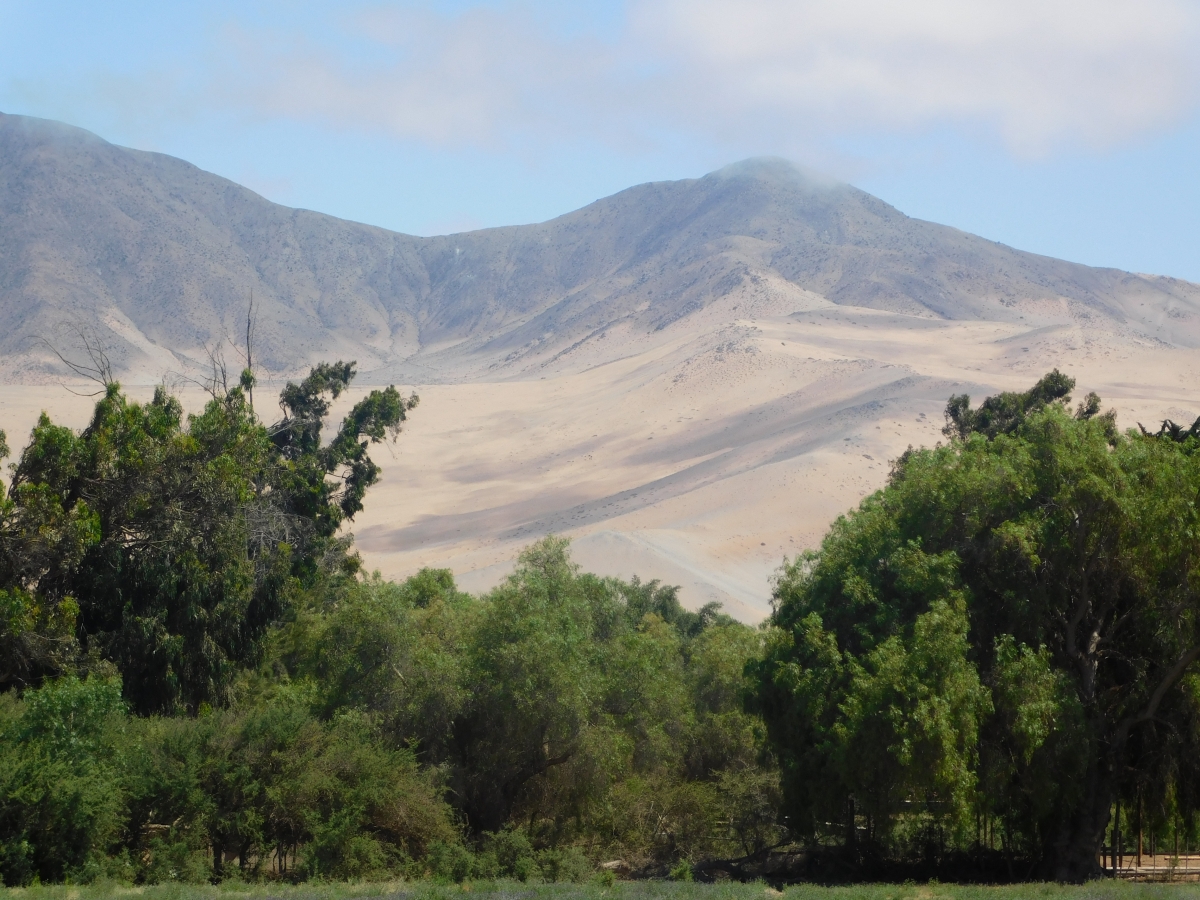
{"points": [[770, 74], [1040, 72], [479, 78]]}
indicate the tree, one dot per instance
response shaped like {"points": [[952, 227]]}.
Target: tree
{"points": [[36, 632], [167, 546], [395, 651], [572, 707], [1003, 631], [61, 798], [324, 486], [531, 669], [1005, 413]]}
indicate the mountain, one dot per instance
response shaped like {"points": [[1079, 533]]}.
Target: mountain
{"points": [[158, 258], [690, 379]]}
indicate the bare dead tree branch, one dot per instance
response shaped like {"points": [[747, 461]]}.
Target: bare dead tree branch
{"points": [[244, 348], [216, 383], [218, 378], [97, 367]]}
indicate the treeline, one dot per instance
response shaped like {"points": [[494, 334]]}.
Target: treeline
{"points": [[989, 668], [555, 721], [202, 684]]}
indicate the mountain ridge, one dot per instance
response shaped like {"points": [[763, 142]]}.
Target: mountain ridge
{"points": [[689, 379], [158, 258]]}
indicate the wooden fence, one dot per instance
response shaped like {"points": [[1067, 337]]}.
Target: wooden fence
{"points": [[1152, 866]]}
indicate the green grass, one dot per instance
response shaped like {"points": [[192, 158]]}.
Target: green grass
{"points": [[639, 890]]}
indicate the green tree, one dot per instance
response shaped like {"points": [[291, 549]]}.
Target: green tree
{"points": [[566, 707], [319, 486], [531, 674], [62, 800], [321, 797], [1002, 631], [570, 707], [395, 651], [166, 545], [1005, 413]]}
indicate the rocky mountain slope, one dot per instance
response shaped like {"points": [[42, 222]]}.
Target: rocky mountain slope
{"points": [[689, 379], [159, 258]]}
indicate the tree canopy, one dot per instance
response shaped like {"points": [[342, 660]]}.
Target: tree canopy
{"points": [[164, 546], [1000, 647], [1005, 633], [411, 729], [198, 675]]}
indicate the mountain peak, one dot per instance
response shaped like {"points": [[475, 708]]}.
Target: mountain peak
{"points": [[157, 257], [778, 171], [45, 130]]}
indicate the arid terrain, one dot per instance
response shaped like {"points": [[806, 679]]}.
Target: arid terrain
{"points": [[690, 379], [699, 461]]}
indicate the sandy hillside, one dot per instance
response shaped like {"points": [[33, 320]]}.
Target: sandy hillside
{"points": [[705, 457], [691, 379]]}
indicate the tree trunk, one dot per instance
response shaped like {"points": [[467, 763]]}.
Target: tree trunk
{"points": [[1076, 853], [1139, 827], [1118, 846]]}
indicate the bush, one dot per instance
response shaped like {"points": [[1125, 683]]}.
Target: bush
{"points": [[593, 713], [450, 862], [339, 848], [62, 802], [682, 871], [512, 853], [567, 864], [180, 859]]}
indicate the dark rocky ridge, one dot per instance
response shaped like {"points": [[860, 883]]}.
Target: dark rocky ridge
{"points": [[159, 258]]}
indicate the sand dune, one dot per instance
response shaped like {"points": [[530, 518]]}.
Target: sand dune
{"points": [[706, 457]]}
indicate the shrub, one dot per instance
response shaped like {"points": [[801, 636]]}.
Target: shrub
{"points": [[62, 802], [566, 864], [681, 871], [450, 862], [512, 852], [175, 859]]}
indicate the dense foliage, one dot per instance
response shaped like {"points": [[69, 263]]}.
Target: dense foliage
{"points": [[990, 657], [410, 728], [589, 712], [201, 683], [165, 547], [1000, 642]]}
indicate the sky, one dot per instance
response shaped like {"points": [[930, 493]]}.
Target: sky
{"points": [[1065, 127]]}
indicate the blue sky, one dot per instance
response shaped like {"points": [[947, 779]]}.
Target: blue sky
{"points": [[1062, 127]]}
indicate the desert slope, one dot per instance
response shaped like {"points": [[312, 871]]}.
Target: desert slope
{"points": [[705, 460], [691, 379]]}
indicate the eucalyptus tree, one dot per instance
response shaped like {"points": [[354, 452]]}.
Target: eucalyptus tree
{"points": [[165, 545], [1008, 632]]}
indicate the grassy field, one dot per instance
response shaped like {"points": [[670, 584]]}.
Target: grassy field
{"points": [[641, 890]]}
